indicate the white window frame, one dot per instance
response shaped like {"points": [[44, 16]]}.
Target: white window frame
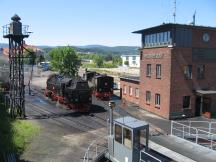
{"points": [[125, 89], [130, 91], [137, 92], [157, 99]]}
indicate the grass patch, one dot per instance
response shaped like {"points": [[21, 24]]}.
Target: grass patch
{"points": [[23, 132], [15, 134]]}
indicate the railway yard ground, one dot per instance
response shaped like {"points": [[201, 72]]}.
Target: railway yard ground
{"points": [[65, 135]]}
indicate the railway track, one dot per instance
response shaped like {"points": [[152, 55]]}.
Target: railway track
{"points": [[80, 122]]}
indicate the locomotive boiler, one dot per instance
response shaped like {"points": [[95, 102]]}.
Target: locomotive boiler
{"points": [[74, 92]]}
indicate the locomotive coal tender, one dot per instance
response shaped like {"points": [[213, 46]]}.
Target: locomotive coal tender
{"points": [[101, 84]]}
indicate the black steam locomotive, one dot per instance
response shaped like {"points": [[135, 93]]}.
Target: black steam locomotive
{"points": [[73, 92], [101, 84]]}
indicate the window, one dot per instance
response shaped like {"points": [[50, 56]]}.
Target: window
{"points": [[137, 92], [140, 139], [134, 62], [127, 58], [154, 39], [201, 72], [141, 55], [130, 91], [168, 37], [186, 102], [188, 72], [127, 136], [148, 70], [157, 99], [158, 71], [125, 89], [158, 38], [148, 96], [134, 58], [118, 133]]}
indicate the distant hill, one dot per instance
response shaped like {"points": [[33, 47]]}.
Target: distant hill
{"points": [[98, 49], [3, 45], [117, 50]]}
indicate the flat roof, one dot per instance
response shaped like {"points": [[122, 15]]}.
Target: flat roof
{"points": [[205, 92], [131, 55], [131, 78], [171, 25], [131, 122]]}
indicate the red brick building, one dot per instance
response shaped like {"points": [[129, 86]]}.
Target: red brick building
{"points": [[177, 71]]}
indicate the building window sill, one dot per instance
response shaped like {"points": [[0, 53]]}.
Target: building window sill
{"points": [[147, 103], [187, 108], [157, 106], [158, 77], [200, 78], [148, 76], [188, 78]]}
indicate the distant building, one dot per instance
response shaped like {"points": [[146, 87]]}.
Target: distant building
{"points": [[34, 48], [177, 72], [130, 61], [87, 61]]}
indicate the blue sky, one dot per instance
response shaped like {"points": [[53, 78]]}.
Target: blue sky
{"points": [[106, 22]]}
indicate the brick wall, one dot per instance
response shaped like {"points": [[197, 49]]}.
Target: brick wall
{"points": [[160, 86], [131, 98]]}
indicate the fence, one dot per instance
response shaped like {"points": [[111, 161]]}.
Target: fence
{"points": [[200, 132], [96, 148]]}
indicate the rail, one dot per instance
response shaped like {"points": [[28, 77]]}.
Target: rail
{"points": [[147, 157], [6, 29], [198, 134], [95, 148]]}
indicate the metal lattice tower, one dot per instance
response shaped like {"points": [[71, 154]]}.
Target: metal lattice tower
{"points": [[16, 32]]}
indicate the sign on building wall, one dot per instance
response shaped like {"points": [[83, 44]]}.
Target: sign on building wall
{"points": [[153, 56]]}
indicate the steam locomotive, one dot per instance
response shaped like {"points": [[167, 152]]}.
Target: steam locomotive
{"points": [[73, 92], [101, 84]]}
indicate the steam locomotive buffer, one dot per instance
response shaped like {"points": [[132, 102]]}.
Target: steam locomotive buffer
{"points": [[16, 32]]}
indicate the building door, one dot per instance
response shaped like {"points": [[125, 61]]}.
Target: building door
{"points": [[198, 104], [206, 105]]}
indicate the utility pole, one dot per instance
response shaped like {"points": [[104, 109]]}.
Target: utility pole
{"points": [[16, 33]]}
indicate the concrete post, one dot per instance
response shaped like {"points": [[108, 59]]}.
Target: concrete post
{"points": [[111, 105]]}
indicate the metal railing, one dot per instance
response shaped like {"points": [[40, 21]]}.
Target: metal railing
{"points": [[144, 157], [200, 135], [6, 29], [95, 148]]}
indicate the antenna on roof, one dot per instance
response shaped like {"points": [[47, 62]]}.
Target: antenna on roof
{"points": [[194, 17], [174, 11]]}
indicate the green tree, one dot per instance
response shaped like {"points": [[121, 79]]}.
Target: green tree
{"points": [[108, 57], [117, 60], [40, 58], [126, 63], [65, 60], [98, 60], [30, 56]]}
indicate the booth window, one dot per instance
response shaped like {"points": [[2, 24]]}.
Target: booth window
{"points": [[118, 133], [127, 139], [140, 139]]}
